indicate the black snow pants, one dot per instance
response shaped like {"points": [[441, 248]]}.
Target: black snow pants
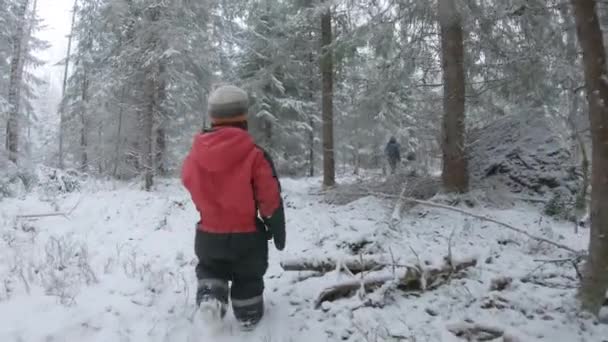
{"points": [[233, 266]]}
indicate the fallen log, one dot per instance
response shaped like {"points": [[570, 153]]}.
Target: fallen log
{"points": [[407, 278], [324, 265]]}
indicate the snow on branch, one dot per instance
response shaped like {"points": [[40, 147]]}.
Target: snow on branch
{"points": [[408, 278], [355, 265]]}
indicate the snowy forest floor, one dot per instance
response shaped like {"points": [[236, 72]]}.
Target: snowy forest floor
{"points": [[120, 267]]}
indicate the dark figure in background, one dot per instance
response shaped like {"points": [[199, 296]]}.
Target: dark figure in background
{"points": [[393, 153], [235, 188]]}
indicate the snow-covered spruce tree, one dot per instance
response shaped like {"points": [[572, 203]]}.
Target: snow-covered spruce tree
{"points": [[142, 70], [18, 41], [277, 66], [18, 26]]}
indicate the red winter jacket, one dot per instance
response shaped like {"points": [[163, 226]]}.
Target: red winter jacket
{"points": [[229, 179]]}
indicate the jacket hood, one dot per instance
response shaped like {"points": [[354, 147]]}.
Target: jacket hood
{"points": [[222, 148]]}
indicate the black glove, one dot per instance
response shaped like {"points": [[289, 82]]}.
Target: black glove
{"points": [[261, 226], [276, 227]]}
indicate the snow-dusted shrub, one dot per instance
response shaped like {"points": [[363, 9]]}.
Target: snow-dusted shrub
{"points": [[14, 180], [560, 205], [54, 181], [65, 268], [291, 166]]}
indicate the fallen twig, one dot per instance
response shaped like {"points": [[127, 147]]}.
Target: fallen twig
{"points": [[42, 215], [573, 261], [64, 214]]}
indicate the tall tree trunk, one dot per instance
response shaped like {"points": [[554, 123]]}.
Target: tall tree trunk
{"points": [[148, 129], [327, 73], [161, 136], [595, 281], [15, 78], [84, 157], [118, 142], [161, 150], [64, 86], [100, 148], [311, 99], [267, 126], [455, 175], [150, 95]]}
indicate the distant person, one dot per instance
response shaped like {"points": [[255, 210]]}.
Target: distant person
{"points": [[235, 189], [393, 153]]}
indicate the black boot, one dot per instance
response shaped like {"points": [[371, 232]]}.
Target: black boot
{"points": [[212, 298], [248, 312]]}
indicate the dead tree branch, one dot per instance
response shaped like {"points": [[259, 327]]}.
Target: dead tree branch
{"points": [[35, 216], [64, 214], [407, 278], [483, 218], [489, 219], [355, 265]]}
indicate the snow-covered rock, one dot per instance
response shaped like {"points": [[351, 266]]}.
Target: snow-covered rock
{"points": [[530, 155]]}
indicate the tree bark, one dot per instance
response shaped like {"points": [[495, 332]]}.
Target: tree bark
{"points": [[84, 157], [267, 127], [327, 73], [455, 173], [161, 149], [595, 281], [148, 129], [311, 98], [161, 135], [15, 78], [150, 95], [64, 86], [118, 142]]}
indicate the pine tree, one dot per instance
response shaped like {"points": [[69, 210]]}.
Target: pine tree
{"points": [[19, 25]]}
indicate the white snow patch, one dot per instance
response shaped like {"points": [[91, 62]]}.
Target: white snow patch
{"points": [[121, 268]]}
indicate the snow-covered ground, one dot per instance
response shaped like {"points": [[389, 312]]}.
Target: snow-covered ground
{"points": [[120, 267]]}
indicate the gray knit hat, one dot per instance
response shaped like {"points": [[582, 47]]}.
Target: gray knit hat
{"points": [[228, 104]]}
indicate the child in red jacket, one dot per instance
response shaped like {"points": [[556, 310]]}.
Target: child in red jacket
{"points": [[235, 189]]}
